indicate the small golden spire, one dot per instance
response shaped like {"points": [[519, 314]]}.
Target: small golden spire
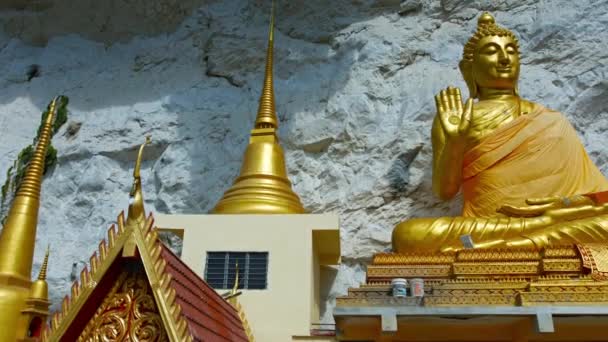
{"points": [[18, 237], [137, 212], [45, 263], [262, 186], [40, 288]]}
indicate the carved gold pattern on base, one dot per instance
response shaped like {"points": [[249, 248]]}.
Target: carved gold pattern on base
{"points": [[551, 276], [384, 301], [127, 314], [595, 258], [409, 271], [496, 268], [562, 265], [473, 283], [413, 258], [498, 255], [563, 298], [473, 300], [561, 252]]}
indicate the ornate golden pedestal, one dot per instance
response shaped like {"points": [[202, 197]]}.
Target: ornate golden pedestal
{"points": [[471, 292]]}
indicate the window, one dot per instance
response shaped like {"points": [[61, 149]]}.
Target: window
{"points": [[220, 270]]}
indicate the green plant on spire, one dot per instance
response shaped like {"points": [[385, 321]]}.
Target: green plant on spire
{"points": [[15, 173]]}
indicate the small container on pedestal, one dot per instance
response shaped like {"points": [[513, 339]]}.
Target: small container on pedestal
{"points": [[417, 287], [399, 287]]}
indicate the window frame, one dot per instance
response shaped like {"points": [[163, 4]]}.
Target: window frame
{"points": [[253, 259]]}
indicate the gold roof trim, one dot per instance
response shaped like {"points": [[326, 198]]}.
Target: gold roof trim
{"points": [[149, 247], [413, 258], [241, 312], [129, 236], [234, 301]]}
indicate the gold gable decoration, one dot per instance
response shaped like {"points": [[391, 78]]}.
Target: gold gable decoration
{"points": [[149, 247], [147, 287], [130, 303]]}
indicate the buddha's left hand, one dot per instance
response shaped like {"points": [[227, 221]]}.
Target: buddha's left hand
{"points": [[539, 206]]}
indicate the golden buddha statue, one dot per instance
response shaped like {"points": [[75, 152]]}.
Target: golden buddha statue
{"points": [[525, 176]]}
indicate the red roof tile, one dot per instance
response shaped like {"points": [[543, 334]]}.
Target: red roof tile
{"points": [[210, 318]]}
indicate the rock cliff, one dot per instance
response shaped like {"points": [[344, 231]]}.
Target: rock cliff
{"points": [[354, 84]]}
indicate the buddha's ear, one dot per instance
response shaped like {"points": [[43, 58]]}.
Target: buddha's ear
{"points": [[466, 69]]}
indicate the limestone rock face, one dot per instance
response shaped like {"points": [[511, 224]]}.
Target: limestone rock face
{"points": [[354, 84]]}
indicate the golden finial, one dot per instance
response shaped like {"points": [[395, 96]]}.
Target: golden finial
{"points": [[235, 287], [231, 295], [18, 237], [267, 117], [262, 186], [45, 263], [137, 212], [40, 288]]}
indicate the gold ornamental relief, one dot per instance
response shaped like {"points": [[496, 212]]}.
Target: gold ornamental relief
{"points": [[127, 314], [599, 252]]}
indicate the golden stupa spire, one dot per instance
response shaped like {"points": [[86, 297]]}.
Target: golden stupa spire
{"points": [[137, 212], [45, 264], [267, 117], [18, 237], [262, 186]]}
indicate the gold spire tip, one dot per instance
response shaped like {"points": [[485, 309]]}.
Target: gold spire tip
{"points": [[45, 263], [271, 34], [267, 117], [136, 199], [139, 156]]}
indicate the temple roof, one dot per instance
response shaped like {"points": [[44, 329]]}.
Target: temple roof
{"points": [[190, 309], [209, 316]]}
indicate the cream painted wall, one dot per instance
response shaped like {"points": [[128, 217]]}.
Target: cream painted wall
{"points": [[289, 305]]}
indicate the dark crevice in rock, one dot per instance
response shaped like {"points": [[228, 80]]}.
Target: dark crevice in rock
{"points": [[399, 172], [409, 7], [210, 68], [228, 78], [72, 129], [128, 156], [405, 60], [33, 71], [319, 146]]}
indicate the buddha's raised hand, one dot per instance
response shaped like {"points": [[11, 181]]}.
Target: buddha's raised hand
{"points": [[454, 117]]}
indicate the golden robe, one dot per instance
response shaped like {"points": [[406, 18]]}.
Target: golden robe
{"points": [[536, 155]]}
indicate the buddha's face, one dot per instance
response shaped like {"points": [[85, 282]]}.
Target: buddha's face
{"points": [[496, 63]]}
